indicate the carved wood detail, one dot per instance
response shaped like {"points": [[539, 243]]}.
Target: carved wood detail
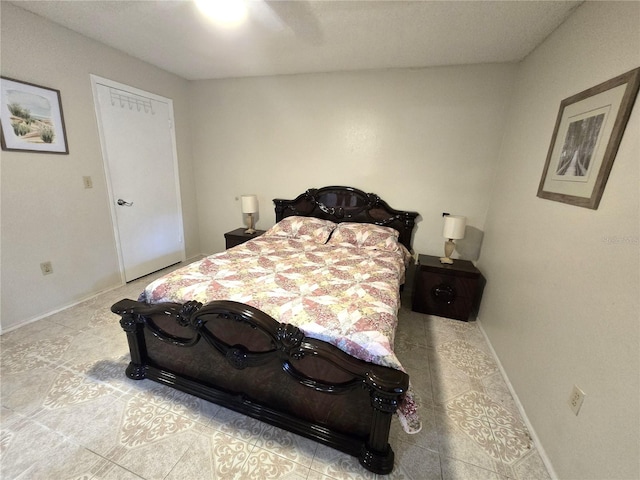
{"points": [[348, 204], [385, 386]]}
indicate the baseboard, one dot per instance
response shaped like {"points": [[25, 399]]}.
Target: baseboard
{"points": [[523, 414], [77, 302], [60, 309]]}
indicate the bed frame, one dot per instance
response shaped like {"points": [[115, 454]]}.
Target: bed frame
{"points": [[239, 357]]}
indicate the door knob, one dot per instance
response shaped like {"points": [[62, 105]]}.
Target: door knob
{"points": [[121, 202]]}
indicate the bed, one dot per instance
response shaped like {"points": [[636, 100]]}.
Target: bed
{"points": [[281, 363]]}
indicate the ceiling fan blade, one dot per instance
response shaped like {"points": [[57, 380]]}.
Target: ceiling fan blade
{"points": [[299, 17]]}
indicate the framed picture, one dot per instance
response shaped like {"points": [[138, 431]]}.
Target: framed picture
{"points": [[585, 141], [31, 118]]}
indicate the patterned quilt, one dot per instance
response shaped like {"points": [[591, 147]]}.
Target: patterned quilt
{"points": [[346, 296]]}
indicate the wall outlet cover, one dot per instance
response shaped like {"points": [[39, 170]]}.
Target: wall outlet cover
{"points": [[576, 399], [47, 268]]}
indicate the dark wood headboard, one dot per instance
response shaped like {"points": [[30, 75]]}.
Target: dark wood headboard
{"points": [[348, 204]]}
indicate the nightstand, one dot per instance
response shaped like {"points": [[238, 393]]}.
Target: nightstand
{"points": [[237, 236], [452, 291]]}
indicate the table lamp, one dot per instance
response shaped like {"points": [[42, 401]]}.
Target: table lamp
{"points": [[250, 206], [454, 226]]}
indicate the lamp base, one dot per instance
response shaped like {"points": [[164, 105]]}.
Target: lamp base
{"points": [[250, 230], [449, 247]]}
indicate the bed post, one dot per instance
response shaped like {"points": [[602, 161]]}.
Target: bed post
{"points": [[137, 369], [131, 324], [377, 455]]}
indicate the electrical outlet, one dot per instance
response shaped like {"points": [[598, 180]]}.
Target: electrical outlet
{"points": [[88, 183], [47, 268], [576, 399]]}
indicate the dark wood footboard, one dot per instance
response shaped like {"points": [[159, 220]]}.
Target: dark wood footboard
{"points": [[241, 358]]}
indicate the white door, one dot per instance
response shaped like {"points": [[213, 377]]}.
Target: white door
{"points": [[138, 146]]}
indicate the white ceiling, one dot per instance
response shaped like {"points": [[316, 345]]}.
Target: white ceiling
{"points": [[288, 37]]}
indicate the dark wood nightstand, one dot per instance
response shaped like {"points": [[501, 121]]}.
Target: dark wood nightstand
{"points": [[452, 291], [237, 236]]}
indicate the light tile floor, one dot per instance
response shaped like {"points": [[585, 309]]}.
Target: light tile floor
{"points": [[68, 412]]}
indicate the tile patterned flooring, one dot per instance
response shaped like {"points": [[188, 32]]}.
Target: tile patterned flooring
{"points": [[68, 412]]}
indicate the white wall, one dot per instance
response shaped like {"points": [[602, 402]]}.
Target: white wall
{"points": [[561, 303], [46, 212], [425, 140]]}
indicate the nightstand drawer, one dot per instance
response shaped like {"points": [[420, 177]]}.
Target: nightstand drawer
{"points": [[451, 291], [461, 287]]}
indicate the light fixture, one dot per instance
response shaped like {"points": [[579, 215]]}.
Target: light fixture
{"points": [[250, 206], [226, 13], [454, 226]]}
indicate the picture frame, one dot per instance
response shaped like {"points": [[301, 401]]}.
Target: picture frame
{"points": [[585, 140], [31, 118]]}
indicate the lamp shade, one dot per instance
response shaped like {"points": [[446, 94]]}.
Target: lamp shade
{"points": [[454, 226], [249, 204]]}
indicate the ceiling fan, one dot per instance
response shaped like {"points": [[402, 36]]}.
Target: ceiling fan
{"points": [[298, 16]]}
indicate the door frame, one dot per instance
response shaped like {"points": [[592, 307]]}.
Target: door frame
{"points": [[95, 81]]}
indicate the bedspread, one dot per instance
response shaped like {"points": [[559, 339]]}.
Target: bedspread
{"points": [[346, 296]]}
